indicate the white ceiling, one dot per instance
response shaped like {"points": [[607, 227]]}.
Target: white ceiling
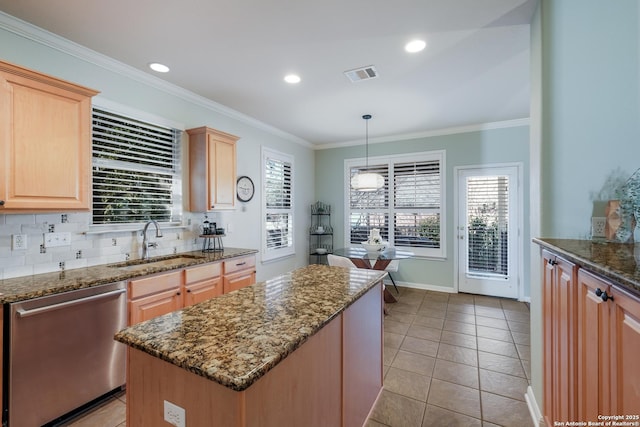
{"points": [[475, 68]]}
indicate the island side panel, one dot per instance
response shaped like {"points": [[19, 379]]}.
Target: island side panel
{"points": [[362, 356], [151, 381], [304, 389]]}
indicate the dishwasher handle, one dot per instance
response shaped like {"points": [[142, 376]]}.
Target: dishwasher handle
{"points": [[27, 313]]}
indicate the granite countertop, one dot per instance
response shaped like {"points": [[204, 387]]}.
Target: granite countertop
{"points": [[38, 285], [615, 261], [236, 338]]}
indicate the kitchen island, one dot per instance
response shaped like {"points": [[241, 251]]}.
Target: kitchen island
{"points": [[304, 348]]}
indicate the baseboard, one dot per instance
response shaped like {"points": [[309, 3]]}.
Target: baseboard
{"points": [[423, 286], [534, 409]]}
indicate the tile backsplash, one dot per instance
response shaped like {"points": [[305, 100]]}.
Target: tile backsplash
{"points": [[87, 247]]}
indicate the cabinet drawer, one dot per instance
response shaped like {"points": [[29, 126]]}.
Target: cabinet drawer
{"points": [[241, 263], [153, 284], [202, 272]]}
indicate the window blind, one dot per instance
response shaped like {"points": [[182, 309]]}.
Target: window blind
{"points": [[134, 170], [488, 224], [278, 205]]}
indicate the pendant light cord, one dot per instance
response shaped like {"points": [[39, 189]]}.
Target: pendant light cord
{"points": [[366, 117]]}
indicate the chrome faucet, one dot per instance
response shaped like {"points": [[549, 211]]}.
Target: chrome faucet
{"points": [[145, 245]]}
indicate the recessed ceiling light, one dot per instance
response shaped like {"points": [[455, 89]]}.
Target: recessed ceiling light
{"points": [[292, 78], [415, 46], [160, 68]]}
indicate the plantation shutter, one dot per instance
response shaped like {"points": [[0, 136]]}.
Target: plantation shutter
{"points": [[369, 209], [487, 225], [134, 170], [278, 203]]}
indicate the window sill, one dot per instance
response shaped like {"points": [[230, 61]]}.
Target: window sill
{"points": [[131, 228]]}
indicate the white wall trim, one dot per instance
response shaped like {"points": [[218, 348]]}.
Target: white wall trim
{"points": [[534, 409], [431, 133], [423, 286], [46, 38]]}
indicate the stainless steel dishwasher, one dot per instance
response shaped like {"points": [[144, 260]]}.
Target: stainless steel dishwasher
{"points": [[62, 354]]}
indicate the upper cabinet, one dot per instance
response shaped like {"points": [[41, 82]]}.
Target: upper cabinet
{"points": [[212, 170], [45, 142]]}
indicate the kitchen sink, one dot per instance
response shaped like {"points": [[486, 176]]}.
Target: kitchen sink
{"points": [[165, 261]]}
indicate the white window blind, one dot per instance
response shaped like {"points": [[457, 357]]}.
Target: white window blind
{"points": [[135, 170], [407, 210], [277, 179], [488, 225]]}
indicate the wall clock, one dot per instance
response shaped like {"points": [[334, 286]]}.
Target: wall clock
{"points": [[244, 189]]}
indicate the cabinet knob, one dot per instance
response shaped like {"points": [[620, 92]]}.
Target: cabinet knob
{"points": [[603, 294], [553, 262], [177, 293], [1, 202], [188, 290]]}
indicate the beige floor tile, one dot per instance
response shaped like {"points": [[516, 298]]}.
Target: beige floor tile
{"points": [[499, 347], [462, 328], [455, 397], [388, 354], [499, 363], [492, 322], [396, 327], [374, 423], [418, 345], [523, 327], [414, 362], [431, 322], [432, 312], [484, 301], [404, 307], [526, 365], [454, 353], [494, 333], [440, 417], [518, 316], [433, 305], [437, 296], [424, 332], [459, 316], [512, 305], [457, 373], [524, 351], [462, 308], [521, 338], [398, 316], [407, 383], [488, 424], [110, 414], [395, 410], [495, 312], [461, 299], [392, 340], [503, 384], [462, 340], [504, 411]]}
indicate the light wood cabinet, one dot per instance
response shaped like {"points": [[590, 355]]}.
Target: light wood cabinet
{"points": [[608, 346], [45, 142], [202, 283], [154, 296], [591, 338], [559, 311], [212, 169], [239, 273]]}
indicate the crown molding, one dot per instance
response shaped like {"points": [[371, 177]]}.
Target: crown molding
{"points": [[431, 133], [54, 41]]}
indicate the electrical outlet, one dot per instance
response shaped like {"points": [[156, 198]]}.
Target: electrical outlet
{"points": [[18, 242], [57, 239], [173, 414], [597, 226]]}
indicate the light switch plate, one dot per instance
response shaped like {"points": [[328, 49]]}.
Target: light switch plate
{"points": [[597, 226], [57, 239]]}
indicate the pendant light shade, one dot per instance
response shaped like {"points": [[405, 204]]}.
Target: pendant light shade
{"points": [[367, 181]]}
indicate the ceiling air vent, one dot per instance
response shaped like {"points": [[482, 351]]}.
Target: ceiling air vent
{"points": [[363, 73]]}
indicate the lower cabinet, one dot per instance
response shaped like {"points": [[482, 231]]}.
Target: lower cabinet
{"points": [[163, 293], [153, 296], [239, 272], [591, 335], [608, 349]]}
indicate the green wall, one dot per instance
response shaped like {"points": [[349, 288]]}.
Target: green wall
{"points": [[504, 145]]}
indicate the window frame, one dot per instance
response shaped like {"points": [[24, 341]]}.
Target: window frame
{"points": [[272, 254], [390, 210], [177, 210]]}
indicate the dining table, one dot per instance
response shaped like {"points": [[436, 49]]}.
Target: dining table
{"points": [[378, 260]]}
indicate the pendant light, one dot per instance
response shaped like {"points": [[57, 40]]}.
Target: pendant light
{"points": [[367, 181]]}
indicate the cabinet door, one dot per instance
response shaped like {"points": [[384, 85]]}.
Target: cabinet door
{"points": [[625, 348], [593, 348], [155, 305], [46, 123], [202, 291], [559, 327], [222, 172], [239, 280]]}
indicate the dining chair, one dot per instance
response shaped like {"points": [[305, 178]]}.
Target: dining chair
{"points": [[340, 261]]}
